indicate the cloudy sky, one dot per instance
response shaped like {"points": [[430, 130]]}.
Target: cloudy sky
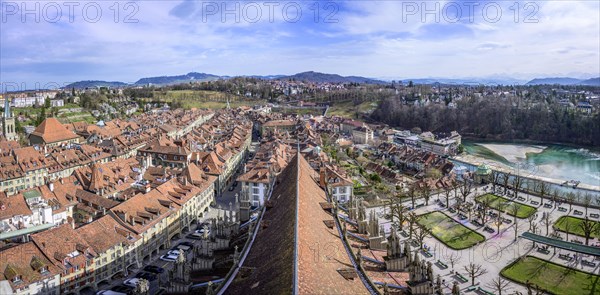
{"points": [[50, 41]]}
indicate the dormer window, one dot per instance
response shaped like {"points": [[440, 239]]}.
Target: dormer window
{"points": [[16, 279]]}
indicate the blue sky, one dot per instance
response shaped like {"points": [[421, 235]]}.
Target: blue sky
{"points": [[383, 39]]}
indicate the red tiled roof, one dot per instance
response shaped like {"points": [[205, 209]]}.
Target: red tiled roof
{"points": [[51, 130]]}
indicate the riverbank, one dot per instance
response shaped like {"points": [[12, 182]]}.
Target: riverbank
{"points": [[513, 153], [525, 173]]}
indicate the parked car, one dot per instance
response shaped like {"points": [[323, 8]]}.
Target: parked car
{"points": [[154, 269], [202, 230], [131, 282], [110, 292], [169, 258], [146, 275], [189, 244], [174, 252], [194, 236]]}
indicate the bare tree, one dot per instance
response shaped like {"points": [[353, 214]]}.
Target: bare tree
{"points": [[397, 210], [588, 227], [513, 210], [425, 192], [465, 189], [543, 190], [505, 179], [499, 284], [517, 183], [571, 199], [556, 195], [412, 220], [531, 220], [496, 176], [547, 222], [412, 194], [587, 200], [474, 271], [453, 259], [485, 203], [447, 193], [568, 226], [421, 233]]}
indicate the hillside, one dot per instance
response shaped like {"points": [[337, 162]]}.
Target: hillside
{"points": [[317, 77], [552, 81], [165, 80], [591, 82], [95, 83]]}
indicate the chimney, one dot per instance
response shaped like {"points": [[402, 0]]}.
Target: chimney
{"points": [[322, 177], [51, 186]]}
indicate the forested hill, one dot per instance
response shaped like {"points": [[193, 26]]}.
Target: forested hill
{"points": [[495, 119]]}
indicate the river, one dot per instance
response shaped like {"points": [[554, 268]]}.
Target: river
{"points": [[550, 161]]}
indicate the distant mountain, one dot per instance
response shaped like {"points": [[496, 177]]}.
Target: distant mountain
{"points": [[331, 78], [553, 81], [166, 80], [473, 81], [591, 82], [95, 83]]}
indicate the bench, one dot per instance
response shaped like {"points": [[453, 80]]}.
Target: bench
{"points": [[594, 215], [562, 209], [565, 257], [443, 265], [426, 253], [588, 263], [462, 278], [485, 291]]}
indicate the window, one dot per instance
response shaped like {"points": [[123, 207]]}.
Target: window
{"points": [[16, 279], [255, 191], [342, 190]]}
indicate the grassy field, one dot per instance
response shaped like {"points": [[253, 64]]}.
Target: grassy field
{"points": [[348, 109], [204, 99], [524, 211], [551, 277], [574, 222], [450, 232]]}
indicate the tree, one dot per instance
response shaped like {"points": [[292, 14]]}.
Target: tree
{"points": [[531, 220], [412, 194], [434, 173], [571, 199], [556, 195], [513, 210], [465, 189], [447, 193], [412, 220], [547, 222], [588, 227], [505, 179], [587, 200], [474, 271], [425, 191], [568, 226], [517, 183], [499, 284], [453, 259], [543, 190], [496, 176], [421, 234], [397, 211], [485, 203]]}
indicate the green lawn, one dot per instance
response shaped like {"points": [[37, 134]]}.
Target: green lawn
{"points": [[574, 222], [347, 109], [551, 277], [524, 211], [450, 232]]}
